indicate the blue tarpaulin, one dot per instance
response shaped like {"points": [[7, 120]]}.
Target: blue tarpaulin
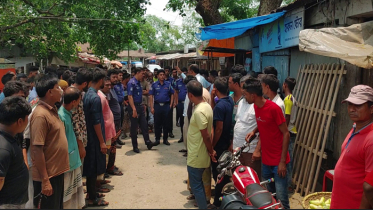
{"points": [[233, 29]]}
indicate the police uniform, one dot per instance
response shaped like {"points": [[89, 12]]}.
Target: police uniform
{"points": [[162, 99], [170, 115], [181, 88], [134, 89]]}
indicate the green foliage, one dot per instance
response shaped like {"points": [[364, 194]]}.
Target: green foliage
{"points": [[41, 26], [159, 35], [229, 10]]}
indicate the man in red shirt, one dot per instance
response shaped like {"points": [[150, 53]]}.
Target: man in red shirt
{"points": [[367, 200], [356, 159], [274, 137]]}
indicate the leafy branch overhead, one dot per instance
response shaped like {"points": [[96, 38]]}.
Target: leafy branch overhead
{"points": [[220, 11], [57, 25]]}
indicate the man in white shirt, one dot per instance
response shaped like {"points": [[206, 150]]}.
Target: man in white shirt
{"points": [[246, 123]]}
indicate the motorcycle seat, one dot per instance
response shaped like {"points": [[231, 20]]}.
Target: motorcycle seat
{"points": [[258, 196]]}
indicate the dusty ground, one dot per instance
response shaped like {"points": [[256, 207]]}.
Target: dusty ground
{"points": [[154, 178]]}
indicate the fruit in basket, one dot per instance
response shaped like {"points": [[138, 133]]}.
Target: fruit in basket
{"points": [[320, 203]]}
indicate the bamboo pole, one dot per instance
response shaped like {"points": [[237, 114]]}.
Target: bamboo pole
{"points": [[313, 156], [311, 128], [308, 117], [304, 100], [341, 72]]}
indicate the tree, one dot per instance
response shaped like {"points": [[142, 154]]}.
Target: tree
{"points": [[219, 11], [159, 35], [40, 26], [267, 6]]}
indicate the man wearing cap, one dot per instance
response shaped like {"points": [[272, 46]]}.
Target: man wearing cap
{"points": [[356, 159]]}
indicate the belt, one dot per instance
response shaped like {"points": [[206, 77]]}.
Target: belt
{"points": [[182, 102], [138, 104], [162, 104], [292, 134]]}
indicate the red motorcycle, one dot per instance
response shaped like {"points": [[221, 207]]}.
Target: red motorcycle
{"points": [[245, 191]]}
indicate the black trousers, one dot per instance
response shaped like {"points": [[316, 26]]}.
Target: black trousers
{"points": [[91, 187], [159, 121], [180, 111], [112, 152], [135, 122], [219, 187], [170, 120], [55, 201]]}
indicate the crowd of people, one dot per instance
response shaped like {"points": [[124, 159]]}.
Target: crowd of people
{"points": [[66, 124]]}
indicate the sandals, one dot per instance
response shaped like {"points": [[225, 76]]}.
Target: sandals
{"points": [[105, 182], [191, 197], [116, 173], [99, 195], [212, 206], [103, 190], [183, 150], [98, 202]]}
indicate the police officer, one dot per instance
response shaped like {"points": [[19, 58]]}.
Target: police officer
{"points": [[162, 94], [137, 111], [181, 90], [170, 115]]}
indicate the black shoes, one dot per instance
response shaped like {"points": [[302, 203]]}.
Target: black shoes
{"points": [[166, 143], [150, 145], [171, 135], [118, 146], [123, 136], [120, 142], [180, 141], [177, 124], [136, 150], [156, 143]]}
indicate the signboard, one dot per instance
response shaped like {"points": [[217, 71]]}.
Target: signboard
{"points": [[282, 33], [222, 61], [201, 46]]}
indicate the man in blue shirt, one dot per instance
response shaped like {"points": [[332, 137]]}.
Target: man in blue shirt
{"points": [[181, 93], [171, 112], [5, 79], [115, 102], [163, 95], [137, 111], [222, 123]]}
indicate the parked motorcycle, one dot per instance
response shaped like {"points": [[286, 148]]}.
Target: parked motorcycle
{"points": [[245, 191]]}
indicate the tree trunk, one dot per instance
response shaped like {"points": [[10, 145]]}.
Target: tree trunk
{"points": [[209, 11], [267, 6]]}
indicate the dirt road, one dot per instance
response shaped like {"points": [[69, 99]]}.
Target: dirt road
{"points": [[154, 178]]}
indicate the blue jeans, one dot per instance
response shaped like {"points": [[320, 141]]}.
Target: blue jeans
{"points": [[196, 184], [290, 165], [280, 186]]}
